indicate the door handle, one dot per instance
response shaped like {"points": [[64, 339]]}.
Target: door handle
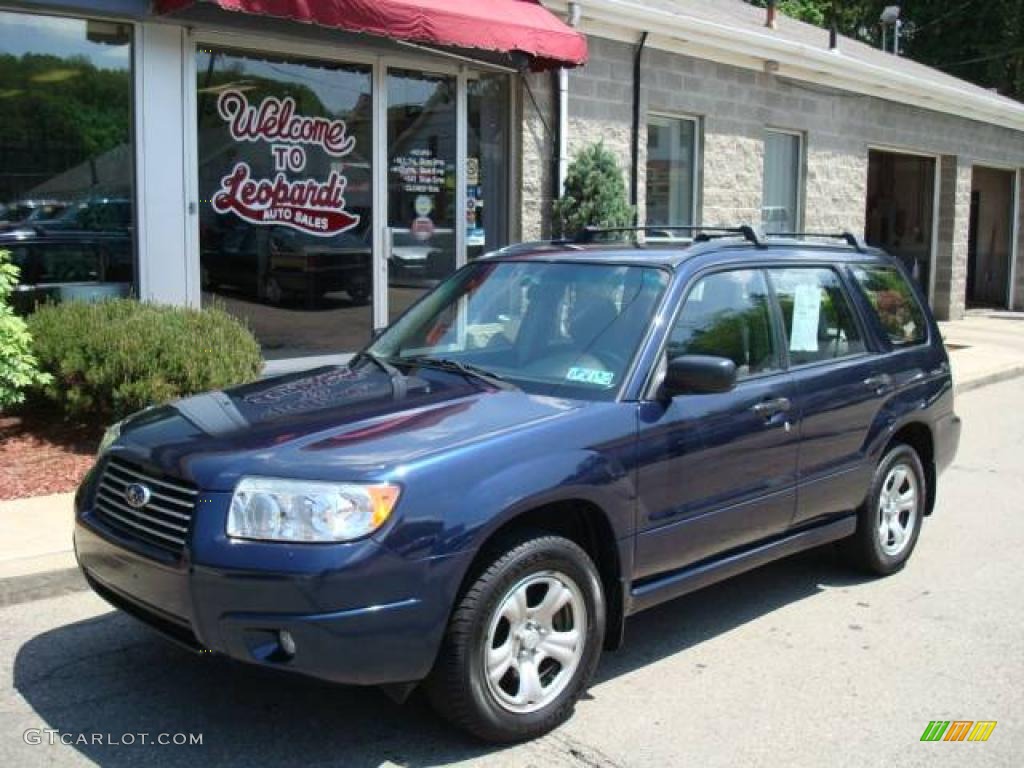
{"points": [[768, 408], [879, 383]]}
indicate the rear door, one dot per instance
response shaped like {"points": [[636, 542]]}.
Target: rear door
{"points": [[718, 471], [838, 388]]}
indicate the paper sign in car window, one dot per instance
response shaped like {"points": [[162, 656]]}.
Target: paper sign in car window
{"points": [[591, 376], [803, 336]]}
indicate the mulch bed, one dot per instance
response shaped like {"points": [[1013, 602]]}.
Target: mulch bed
{"points": [[40, 453]]}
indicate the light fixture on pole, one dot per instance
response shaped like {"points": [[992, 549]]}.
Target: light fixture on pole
{"points": [[891, 18]]}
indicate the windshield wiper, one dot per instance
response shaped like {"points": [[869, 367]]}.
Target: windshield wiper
{"points": [[468, 370], [399, 384]]}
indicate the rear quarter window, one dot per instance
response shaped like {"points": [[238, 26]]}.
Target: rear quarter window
{"points": [[898, 311]]}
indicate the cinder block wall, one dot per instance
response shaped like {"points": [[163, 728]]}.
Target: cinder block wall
{"points": [[734, 107], [951, 254]]}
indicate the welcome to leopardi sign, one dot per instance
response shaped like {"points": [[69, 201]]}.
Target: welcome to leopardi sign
{"points": [[313, 206]]}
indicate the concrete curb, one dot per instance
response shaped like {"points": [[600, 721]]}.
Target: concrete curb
{"points": [[995, 377], [63, 581]]}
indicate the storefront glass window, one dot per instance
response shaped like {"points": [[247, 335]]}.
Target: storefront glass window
{"points": [[671, 171], [66, 156], [781, 188], [285, 186], [421, 184], [487, 164]]}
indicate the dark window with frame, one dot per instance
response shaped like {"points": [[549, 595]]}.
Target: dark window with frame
{"points": [[817, 316], [727, 314], [898, 311]]}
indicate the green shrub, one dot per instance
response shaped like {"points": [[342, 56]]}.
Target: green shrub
{"points": [[115, 357], [18, 367], [594, 194]]}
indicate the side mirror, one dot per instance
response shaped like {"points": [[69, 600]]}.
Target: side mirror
{"points": [[698, 375]]}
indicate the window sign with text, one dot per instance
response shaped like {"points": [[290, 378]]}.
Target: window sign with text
{"points": [[285, 167]]}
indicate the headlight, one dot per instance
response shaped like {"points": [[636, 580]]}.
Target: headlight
{"points": [[113, 432], [304, 510]]}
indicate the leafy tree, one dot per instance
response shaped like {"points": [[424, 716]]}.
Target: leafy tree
{"points": [[595, 193], [18, 367], [981, 42]]}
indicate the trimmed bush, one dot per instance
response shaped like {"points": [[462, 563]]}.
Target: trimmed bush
{"points": [[18, 367], [112, 358], [594, 194]]}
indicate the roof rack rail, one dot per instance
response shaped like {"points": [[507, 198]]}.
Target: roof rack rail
{"points": [[704, 234], [851, 239]]}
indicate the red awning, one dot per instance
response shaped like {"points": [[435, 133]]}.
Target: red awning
{"points": [[504, 26]]}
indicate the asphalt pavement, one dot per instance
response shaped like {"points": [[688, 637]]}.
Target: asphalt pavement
{"points": [[800, 663]]}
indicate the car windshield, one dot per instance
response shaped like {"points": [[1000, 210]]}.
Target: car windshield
{"points": [[566, 329]]}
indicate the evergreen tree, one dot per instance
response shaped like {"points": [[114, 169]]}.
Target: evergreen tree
{"points": [[594, 195]]}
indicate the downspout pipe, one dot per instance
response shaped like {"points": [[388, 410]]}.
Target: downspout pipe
{"points": [[562, 85], [634, 177]]}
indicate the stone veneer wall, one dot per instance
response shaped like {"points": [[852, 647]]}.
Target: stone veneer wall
{"points": [[734, 106]]}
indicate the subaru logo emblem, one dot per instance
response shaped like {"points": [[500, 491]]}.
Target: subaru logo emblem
{"points": [[137, 495]]}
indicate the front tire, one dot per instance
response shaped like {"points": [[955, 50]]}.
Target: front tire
{"points": [[889, 522], [522, 643]]}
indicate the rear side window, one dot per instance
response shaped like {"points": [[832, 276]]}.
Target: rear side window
{"points": [[893, 300], [819, 321], [727, 314]]}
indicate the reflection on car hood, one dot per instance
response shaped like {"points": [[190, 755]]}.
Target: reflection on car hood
{"points": [[336, 422]]}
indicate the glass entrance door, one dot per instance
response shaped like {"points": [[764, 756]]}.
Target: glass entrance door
{"points": [[422, 127]]}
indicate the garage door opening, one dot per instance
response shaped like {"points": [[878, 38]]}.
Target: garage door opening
{"points": [[990, 238], [901, 209]]}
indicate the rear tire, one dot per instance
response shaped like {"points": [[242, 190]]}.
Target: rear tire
{"points": [[889, 522], [522, 643]]}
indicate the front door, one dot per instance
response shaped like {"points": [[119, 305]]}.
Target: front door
{"points": [[422, 124], [717, 472]]}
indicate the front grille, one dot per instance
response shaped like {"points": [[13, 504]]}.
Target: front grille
{"points": [[163, 522]]}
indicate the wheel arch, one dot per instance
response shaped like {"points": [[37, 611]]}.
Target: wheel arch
{"points": [[918, 435], [583, 522]]}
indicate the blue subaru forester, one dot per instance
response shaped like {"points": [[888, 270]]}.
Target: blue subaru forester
{"points": [[555, 438]]}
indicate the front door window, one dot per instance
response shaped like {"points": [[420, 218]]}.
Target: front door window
{"points": [[421, 147]]}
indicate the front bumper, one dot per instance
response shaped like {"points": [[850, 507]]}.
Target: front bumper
{"points": [[370, 618]]}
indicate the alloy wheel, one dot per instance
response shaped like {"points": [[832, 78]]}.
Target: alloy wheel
{"points": [[535, 641], [897, 509]]}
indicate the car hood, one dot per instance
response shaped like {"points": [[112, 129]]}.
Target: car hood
{"points": [[344, 423]]}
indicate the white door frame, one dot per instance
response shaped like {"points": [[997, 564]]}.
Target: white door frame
{"points": [[1014, 241]]}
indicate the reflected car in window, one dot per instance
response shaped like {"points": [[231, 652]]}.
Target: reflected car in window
{"points": [[25, 213], [68, 266], [277, 264], [94, 214]]}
